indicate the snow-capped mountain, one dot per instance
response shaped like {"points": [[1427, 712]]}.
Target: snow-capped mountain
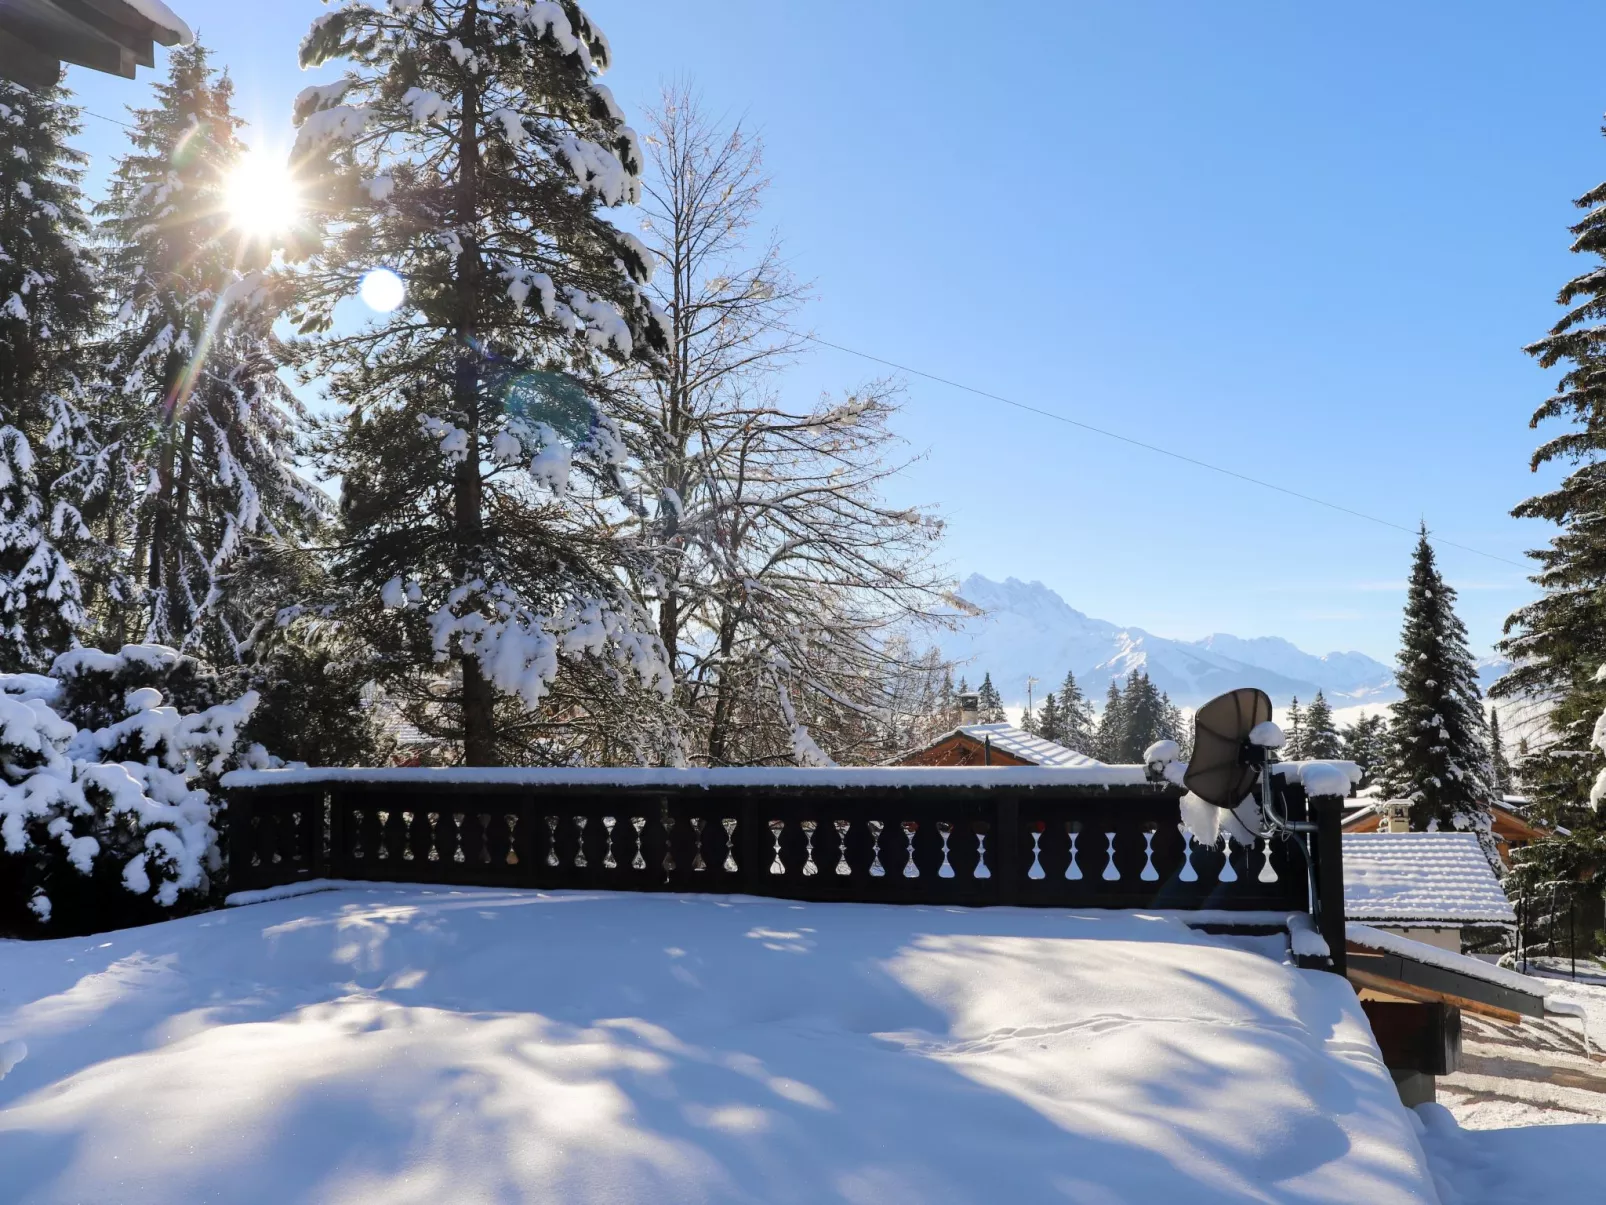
{"points": [[1028, 629]]}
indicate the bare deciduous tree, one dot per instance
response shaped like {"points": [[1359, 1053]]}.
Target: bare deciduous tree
{"points": [[788, 590]]}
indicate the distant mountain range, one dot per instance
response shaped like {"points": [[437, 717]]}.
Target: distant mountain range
{"points": [[1028, 629]]}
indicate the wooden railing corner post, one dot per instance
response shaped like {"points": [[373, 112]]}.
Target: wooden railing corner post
{"points": [[1328, 813]]}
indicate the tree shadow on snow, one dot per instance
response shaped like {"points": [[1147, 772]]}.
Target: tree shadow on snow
{"points": [[504, 1046]]}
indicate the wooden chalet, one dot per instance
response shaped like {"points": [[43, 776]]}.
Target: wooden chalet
{"points": [[113, 36], [1511, 829], [1435, 888], [993, 745]]}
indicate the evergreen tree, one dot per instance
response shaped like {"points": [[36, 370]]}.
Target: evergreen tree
{"points": [[990, 702], [1558, 642], [1029, 722], [47, 311], [1111, 739], [1499, 767], [1050, 721], [1145, 718], [1174, 728], [1365, 742], [1078, 728], [1438, 752], [202, 437], [1320, 740], [1294, 733], [471, 148]]}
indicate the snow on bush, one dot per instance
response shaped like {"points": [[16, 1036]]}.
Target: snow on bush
{"points": [[105, 770]]}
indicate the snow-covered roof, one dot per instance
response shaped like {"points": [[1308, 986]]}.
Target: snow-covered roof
{"points": [[164, 18], [1092, 774], [1421, 879], [1017, 742]]}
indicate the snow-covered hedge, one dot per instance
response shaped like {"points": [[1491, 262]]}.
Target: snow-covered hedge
{"points": [[107, 770]]}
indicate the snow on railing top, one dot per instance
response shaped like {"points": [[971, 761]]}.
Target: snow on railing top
{"points": [[1013, 777]]}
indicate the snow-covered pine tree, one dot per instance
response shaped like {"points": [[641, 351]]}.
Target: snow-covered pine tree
{"points": [[1050, 720], [989, 701], [471, 150], [1557, 643], [47, 313], [1365, 742], [1144, 715], [1293, 732], [1079, 729], [108, 770], [200, 432], [1174, 728], [1110, 740], [1320, 740], [1499, 765], [1029, 721], [1438, 751]]}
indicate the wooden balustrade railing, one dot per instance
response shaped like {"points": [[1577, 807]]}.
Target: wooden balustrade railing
{"points": [[1036, 838]]}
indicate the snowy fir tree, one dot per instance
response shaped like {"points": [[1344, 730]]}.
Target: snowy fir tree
{"points": [[1079, 729], [1050, 720], [1365, 742], [47, 314], [1029, 721], [471, 152], [1110, 740], [1499, 766], [1557, 643], [202, 496], [989, 702], [1320, 740], [108, 775], [1438, 751], [1293, 732]]}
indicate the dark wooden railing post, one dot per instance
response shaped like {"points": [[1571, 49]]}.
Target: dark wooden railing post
{"points": [[1328, 812], [752, 829], [1007, 816], [337, 868]]}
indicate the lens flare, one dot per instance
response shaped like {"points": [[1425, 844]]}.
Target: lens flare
{"points": [[262, 199], [382, 290]]}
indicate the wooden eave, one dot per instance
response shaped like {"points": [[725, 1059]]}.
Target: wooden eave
{"points": [[38, 36], [1405, 978]]}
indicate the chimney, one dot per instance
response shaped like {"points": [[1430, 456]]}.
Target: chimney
{"points": [[970, 708]]}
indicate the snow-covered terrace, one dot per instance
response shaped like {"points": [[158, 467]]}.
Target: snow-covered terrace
{"points": [[411, 1045]]}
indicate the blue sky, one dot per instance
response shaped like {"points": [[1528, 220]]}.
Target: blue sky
{"points": [[1304, 242]]}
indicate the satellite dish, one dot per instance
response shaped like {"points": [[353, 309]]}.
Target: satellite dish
{"points": [[1219, 771]]}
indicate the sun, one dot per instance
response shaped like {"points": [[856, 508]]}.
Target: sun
{"points": [[262, 197]]}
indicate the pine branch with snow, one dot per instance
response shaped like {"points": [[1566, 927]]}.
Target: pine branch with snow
{"points": [[47, 316], [107, 772]]}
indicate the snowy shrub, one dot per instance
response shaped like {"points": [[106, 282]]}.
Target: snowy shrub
{"points": [[107, 764]]}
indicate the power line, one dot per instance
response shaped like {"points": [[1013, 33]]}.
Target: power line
{"points": [[103, 117], [1148, 447]]}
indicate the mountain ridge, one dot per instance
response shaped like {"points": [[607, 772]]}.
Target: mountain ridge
{"points": [[1028, 629]]}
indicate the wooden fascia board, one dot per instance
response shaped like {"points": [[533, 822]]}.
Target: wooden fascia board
{"points": [[24, 63], [1387, 972]]}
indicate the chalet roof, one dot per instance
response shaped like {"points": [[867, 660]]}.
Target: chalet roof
{"points": [[1428, 879], [1017, 742], [114, 36]]}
